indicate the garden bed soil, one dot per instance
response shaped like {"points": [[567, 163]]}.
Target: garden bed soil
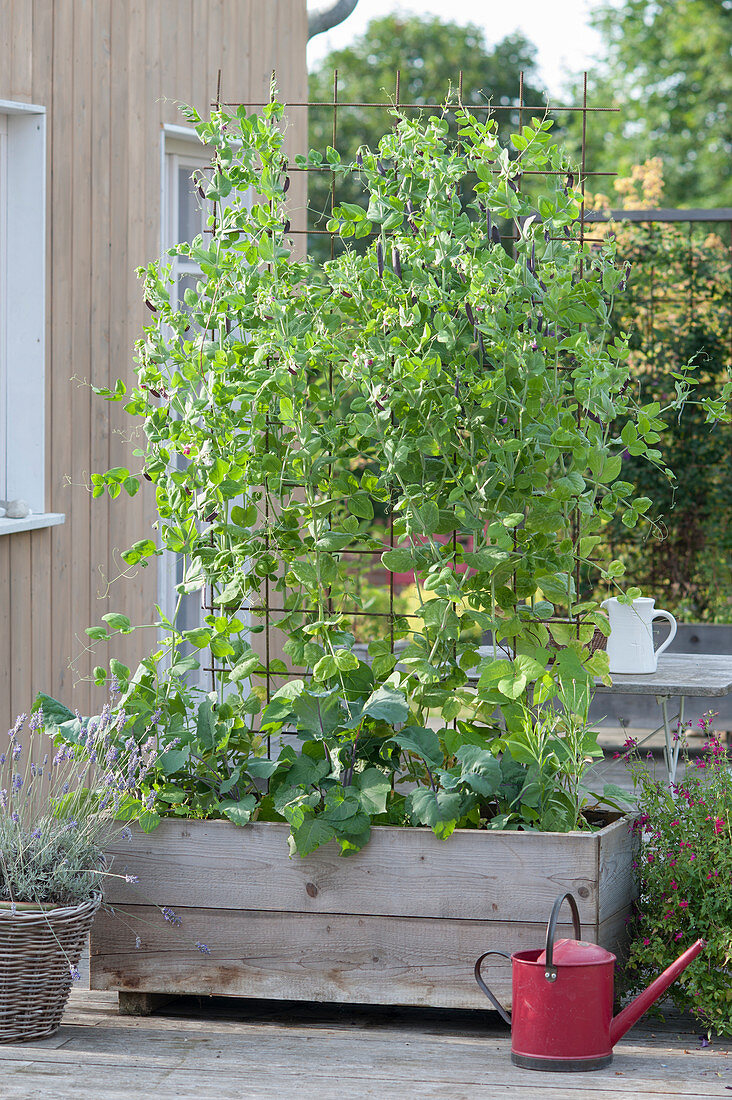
{"points": [[400, 922]]}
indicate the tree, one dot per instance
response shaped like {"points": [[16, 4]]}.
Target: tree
{"points": [[429, 54], [668, 70]]}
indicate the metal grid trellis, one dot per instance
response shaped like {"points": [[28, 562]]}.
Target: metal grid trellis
{"points": [[682, 259], [266, 609]]}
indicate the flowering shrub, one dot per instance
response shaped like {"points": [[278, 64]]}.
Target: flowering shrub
{"points": [[684, 873]]}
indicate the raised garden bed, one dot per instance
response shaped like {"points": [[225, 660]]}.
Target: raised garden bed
{"points": [[400, 922]]}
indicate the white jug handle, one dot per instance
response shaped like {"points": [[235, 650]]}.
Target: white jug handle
{"points": [[665, 615]]}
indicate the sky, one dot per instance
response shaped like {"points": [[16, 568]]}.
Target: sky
{"points": [[558, 28]]}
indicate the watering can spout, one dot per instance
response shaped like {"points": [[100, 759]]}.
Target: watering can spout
{"points": [[632, 1013]]}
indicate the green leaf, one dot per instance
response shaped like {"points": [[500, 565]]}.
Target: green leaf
{"points": [[360, 505], [308, 770], [317, 715], [387, 704], [259, 767], [118, 669], [398, 561], [239, 812], [54, 713], [199, 637], [145, 548], [206, 725], [325, 668], [441, 810], [422, 741], [173, 760], [149, 821], [480, 770], [244, 517], [97, 633], [346, 660], [373, 786], [245, 667], [312, 834]]}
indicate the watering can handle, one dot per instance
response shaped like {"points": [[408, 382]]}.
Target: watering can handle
{"points": [[479, 979], [550, 970]]}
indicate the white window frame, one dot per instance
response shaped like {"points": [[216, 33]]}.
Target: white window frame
{"points": [[23, 313], [179, 147]]}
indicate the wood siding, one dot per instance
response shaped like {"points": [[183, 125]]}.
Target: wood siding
{"points": [[109, 73]]}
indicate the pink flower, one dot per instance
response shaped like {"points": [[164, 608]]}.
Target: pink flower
{"points": [[683, 905], [678, 936], [646, 942], [691, 855], [675, 822], [718, 825], [651, 857], [673, 884]]}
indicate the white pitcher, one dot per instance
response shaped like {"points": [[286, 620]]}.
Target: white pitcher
{"points": [[630, 645]]}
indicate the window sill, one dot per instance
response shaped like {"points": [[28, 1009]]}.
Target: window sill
{"points": [[32, 522]]}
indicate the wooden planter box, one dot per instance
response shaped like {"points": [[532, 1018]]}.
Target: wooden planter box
{"points": [[401, 922]]}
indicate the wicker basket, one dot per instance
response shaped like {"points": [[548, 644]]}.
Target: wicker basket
{"points": [[37, 948]]}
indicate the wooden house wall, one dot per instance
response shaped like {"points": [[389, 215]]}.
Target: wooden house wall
{"points": [[109, 73]]}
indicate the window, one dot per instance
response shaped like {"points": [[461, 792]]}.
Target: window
{"points": [[184, 216], [22, 312]]}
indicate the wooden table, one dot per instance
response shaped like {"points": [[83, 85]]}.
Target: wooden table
{"points": [[679, 676]]}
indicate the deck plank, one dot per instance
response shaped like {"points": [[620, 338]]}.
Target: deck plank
{"points": [[321, 1052], [206, 1049]]}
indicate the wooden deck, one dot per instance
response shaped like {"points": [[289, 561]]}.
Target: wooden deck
{"points": [[234, 1050]]}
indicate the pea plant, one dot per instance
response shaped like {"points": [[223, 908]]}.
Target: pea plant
{"points": [[429, 375]]}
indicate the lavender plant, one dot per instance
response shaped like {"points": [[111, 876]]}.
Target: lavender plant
{"points": [[62, 805]]}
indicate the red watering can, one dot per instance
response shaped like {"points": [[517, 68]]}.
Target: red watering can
{"points": [[563, 1000]]}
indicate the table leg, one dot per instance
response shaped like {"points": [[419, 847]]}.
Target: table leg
{"points": [[671, 748]]}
